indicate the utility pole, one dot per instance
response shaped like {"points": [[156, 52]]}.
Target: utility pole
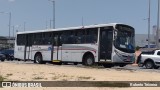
{"points": [[53, 13], [9, 29], [13, 31], [24, 26], [46, 24], [51, 24], [149, 14], [157, 34], [9, 13], [82, 22]]}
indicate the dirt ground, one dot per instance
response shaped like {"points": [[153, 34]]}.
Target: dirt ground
{"points": [[36, 72]]}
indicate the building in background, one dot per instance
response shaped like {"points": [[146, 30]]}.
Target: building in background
{"points": [[141, 40], [6, 42]]}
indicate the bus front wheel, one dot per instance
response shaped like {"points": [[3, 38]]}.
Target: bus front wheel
{"points": [[89, 60], [38, 59]]}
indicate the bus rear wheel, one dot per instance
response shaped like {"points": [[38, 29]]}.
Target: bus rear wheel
{"points": [[89, 60], [38, 59]]}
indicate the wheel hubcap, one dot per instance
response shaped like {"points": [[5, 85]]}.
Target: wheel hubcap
{"points": [[37, 59], [89, 61]]}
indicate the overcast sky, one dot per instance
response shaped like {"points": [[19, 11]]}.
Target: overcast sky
{"points": [[37, 13]]}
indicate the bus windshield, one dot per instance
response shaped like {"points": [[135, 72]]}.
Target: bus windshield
{"points": [[124, 40]]}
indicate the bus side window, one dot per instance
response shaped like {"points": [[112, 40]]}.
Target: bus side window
{"points": [[72, 39], [58, 39], [79, 36], [47, 38], [37, 40], [29, 38], [65, 37], [21, 39], [91, 35]]}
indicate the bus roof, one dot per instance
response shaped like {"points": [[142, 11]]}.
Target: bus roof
{"points": [[70, 28]]}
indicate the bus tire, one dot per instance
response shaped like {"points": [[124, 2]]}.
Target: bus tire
{"points": [[38, 59], [89, 60]]}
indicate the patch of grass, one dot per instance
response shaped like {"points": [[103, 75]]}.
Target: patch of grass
{"points": [[10, 74], [55, 77], [96, 66], [83, 77], [64, 76], [38, 78], [52, 73], [72, 76], [46, 78], [41, 72], [124, 69], [34, 74], [1, 78], [64, 80]]}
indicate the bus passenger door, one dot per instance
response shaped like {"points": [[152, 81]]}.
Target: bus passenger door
{"points": [[57, 48], [106, 37], [27, 48]]}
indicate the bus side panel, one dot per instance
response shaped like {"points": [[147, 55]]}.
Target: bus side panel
{"points": [[92, 48], [75, 52], [19, 52], [66, 55], [71, 53], [76, 56]]}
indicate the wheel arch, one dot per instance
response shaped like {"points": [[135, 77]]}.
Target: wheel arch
{"points": [[149, 59], [37, 54], [86, 54]]}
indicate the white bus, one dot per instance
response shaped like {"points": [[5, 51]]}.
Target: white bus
{"points": [[106, 44]]}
